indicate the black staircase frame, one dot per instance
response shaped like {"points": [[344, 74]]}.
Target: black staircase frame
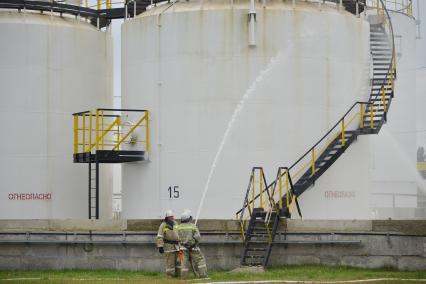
{"points": [[333, 150]]}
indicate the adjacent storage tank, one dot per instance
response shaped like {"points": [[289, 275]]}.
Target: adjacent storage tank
{"points": [[50, 67], [191, 63], [394, 177]]}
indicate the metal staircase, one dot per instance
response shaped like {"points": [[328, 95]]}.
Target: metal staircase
{"points": [[108, 136], [265, 204]]}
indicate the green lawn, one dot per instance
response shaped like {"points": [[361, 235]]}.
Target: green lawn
{"points": [[307, 273]]}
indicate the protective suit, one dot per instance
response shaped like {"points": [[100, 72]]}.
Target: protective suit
{"points": [[168, 243], [190, 237]]}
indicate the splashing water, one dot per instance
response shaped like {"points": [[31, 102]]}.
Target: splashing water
{"points": [[252, 88]]}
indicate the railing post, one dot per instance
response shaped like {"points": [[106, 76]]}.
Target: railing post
{"points": [[384, 100], [343, 132], [261, 187], [371, 116], [361, 114], [313, 162], [97, 130], [287, 189], [84, 132], [252, 189], [280, 188], [75, 133], [102, 128], [90, 131], [378, 9], [147, 132], [118, 132]]}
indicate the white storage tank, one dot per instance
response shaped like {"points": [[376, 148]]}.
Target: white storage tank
{"points": [[191, 63], [50, 67]]}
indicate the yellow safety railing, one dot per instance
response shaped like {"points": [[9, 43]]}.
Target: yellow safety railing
{"points": [[110, 129], [421, 166], [104, 4], [257, 196], [351, 122], [402, 6]]}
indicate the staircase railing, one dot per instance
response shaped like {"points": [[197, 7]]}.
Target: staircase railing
{"points": [[350, 121], [338, 131], [257, 192], [388, 82], [402, 6], [110, 129]]}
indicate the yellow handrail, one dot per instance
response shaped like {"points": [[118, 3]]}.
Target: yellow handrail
{"points": [[129, 132], [84, 133], [383, 99], [95, 127], [280, 188], [90, 131], [97, 130], [147, 131], [261, 188], [287, 187], [104, 133], [75, 134]]}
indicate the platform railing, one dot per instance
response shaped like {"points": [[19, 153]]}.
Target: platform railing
{"points": [[401, 6], [110, 129]]}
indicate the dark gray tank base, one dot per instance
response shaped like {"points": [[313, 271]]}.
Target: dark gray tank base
{"points": [[368, 244]]}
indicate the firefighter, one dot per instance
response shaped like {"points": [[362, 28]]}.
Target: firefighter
{"points": [[189, 236], [168, 243]]}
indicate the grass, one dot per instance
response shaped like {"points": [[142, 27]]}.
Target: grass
{"points": [[306, 273]]}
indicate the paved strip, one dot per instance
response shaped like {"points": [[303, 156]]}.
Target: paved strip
{"points": [[18, 279]]}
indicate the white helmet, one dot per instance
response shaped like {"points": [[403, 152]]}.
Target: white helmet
{"points": [[186, 215], [169, 213]]}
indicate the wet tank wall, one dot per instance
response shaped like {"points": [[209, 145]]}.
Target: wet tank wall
{"points": [[190, 64]]}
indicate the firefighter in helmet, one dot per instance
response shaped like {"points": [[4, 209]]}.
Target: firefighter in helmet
{"points": [[189, 236], [168, 244]]}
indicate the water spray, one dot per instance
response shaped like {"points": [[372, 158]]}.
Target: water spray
{"points": [[234, 116]]}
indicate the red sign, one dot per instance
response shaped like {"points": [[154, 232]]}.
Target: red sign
{"points": [[339, 194], [30, 196]]}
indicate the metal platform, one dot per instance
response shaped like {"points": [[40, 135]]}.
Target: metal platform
{"points": [[108, 156]]}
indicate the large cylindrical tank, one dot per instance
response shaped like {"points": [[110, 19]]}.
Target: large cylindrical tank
{"points": [[50, 67], [191, 64]]}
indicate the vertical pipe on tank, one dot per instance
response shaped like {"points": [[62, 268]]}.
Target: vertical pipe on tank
{"points": [[252, 24], [357, 8]]}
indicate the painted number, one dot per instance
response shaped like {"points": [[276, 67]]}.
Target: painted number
{"points": [[173, 191]]}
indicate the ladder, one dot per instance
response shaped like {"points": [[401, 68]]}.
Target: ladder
{"points": [[108, 136], [93, 190]]}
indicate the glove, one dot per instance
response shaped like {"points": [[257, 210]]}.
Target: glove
{"points": [[161, 249]]}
